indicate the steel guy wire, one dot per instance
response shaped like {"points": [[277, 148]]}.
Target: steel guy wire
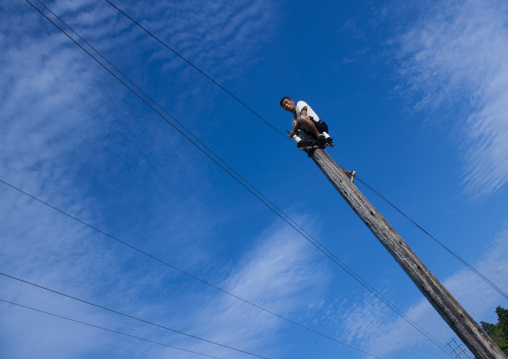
{"points": [[200, 71], [347, 269], [128, 315], [132, 247], [483, 277], [463, 261], [106, 329], [183, 271], [256, 114], [207, 154]]}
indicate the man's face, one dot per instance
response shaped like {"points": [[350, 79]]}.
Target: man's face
{"points": [[288, 105]]}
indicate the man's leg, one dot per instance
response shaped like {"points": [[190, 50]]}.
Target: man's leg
{"points": [[309, 126], [350, 174]]}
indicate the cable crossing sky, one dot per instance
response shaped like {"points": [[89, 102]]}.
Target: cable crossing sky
{"points": [[483, 277], [199, 70], [245, 185], [131, 316], [192, 275], [244, 182], [107, 329], [252, 191]]}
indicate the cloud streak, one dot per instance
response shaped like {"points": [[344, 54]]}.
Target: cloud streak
{"points": [[58, 123], [218, 37], [457, 52], [274, 275]]}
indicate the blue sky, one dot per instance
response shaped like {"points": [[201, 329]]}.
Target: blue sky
{"points": [[416, 99]]}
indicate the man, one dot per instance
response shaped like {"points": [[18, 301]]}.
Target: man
{"points": [[306, 119]]}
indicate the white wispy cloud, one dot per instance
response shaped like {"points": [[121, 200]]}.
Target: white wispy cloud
{"points": [[219, 37], [369, 322], [274, 274], [457, 52], [56, 120], [50, 103], [43, 125], [65, 256], [45, 106]]}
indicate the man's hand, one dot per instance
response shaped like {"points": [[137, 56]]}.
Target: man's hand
{"points": [[292, 133]]}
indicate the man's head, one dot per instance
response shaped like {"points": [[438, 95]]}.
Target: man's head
{"points": [[288, 104]]}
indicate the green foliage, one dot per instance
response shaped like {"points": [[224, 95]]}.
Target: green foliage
{"points": [[499, 331], [487, 327]]}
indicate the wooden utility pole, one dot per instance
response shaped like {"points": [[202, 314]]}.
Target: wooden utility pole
{"points": [[446, 305]]}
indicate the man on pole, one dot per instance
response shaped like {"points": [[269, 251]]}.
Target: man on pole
{"points": [[304, 118], [307, 121]]}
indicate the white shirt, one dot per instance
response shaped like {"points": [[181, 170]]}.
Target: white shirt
{"points": [[299, 107]]}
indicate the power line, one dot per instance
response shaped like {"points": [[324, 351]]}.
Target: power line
{"points": [[199, 70], [347, 269], [463, 261], [483, 277], [146, 254], [317, 245], [131, 316], [240, 101], [109, 330], [185, 272]]}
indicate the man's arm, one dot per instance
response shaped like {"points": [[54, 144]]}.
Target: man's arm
{"points": [[303, 112]]}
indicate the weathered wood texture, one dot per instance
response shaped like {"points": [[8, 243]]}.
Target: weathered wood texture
{"points": [[452, 312]]}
